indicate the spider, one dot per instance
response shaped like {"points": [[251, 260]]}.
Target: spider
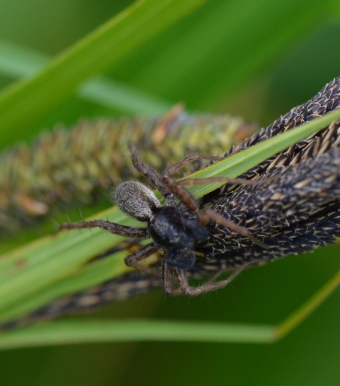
{"points": [[172, 229]]}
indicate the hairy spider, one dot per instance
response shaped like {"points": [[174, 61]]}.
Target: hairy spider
{"points": [[173, 230]]}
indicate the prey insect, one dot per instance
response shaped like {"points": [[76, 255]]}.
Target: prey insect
{"points": [[175, 231]]}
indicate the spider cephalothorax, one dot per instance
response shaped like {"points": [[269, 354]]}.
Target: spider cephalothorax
{"points": [[173, 230], [167, 225]]}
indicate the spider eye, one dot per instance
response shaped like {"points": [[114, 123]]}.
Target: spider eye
{"points": [[136, 200]]}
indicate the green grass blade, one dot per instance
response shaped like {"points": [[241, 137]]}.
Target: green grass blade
{"points": [[94, 331], [48, 260], [86, 277], [70, 332], [90, 331], [17, 61], [35, 97], [241, 162], [122, 97], [307, 308]]}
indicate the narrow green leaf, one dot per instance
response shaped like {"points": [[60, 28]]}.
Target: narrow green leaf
{"points": [[50, 259], [90, 331], [307, 308], [20, 61], [70, 332], [86, 277], [114, 94], [241, 162], [34, 97]]}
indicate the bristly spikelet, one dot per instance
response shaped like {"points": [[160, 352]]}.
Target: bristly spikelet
{"points": [[325, 100], [296, 210], [70, 166]]}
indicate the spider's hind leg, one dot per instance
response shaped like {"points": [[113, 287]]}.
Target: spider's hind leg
{"points": [[184, 287]]}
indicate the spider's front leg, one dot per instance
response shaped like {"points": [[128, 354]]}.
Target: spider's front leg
{"points": [[122, 230], [151, 175], [176, 189], [208, 214]]}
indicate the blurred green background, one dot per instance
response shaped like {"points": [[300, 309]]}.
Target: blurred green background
{"points": [[255, 59]]}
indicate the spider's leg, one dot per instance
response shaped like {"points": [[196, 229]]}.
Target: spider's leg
{"points": [[149, 173], [185, 288], [206, 214], [181, 193], [215, 276], [142, 253], [186, 160], [167, 278], [181, 276], [176, 187], [122, 230], [227, 180]]}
